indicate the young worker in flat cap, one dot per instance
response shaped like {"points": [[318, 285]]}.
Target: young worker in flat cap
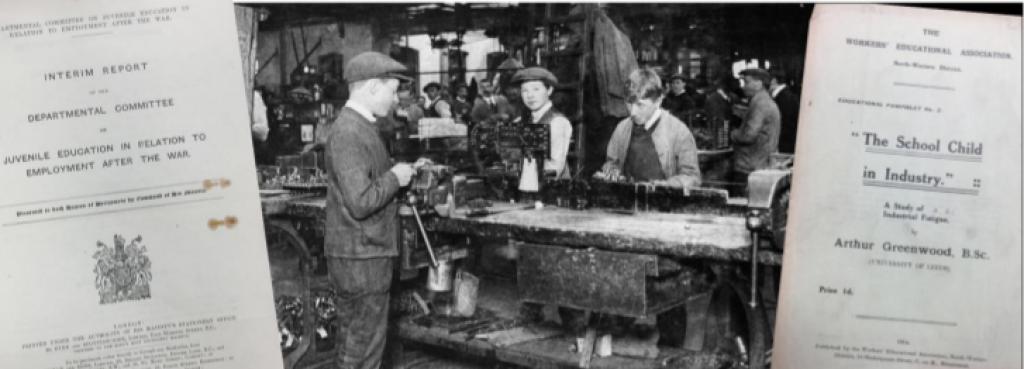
{"points": [[436, 106], [536, 85], [362, 213], [651, 145], [758, 136]]}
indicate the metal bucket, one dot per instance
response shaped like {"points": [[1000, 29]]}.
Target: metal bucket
{"points": [[466, 286], [440, 279]]}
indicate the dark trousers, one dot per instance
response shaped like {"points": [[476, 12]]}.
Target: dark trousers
{"points": [[362, 286]]}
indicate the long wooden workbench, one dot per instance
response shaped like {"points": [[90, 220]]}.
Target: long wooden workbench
{"points": [[703, 236], [714, 237]]}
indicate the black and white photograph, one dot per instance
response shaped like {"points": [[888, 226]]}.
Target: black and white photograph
{"points": [[492, 185], [537, 185], [195, 184]]}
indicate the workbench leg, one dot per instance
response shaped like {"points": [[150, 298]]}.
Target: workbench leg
{"points": [[589, 338]]}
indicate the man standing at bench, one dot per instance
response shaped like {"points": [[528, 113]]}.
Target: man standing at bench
{"points": [[362, 214]]}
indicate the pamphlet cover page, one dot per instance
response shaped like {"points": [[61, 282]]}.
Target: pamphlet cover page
{"points": [[130, 225], [905, 226]]}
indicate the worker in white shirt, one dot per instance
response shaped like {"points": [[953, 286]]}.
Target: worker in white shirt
{"points": [[536, 85]]}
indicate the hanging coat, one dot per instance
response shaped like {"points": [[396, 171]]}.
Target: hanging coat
{"points": [[614, 60]]}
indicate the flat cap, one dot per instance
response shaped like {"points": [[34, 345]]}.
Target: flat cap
{"points": [[372, 64], [432, 85], [535, 74], [678, 76]]}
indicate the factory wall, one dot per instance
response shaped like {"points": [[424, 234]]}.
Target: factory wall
{"points": [[354, 39]]}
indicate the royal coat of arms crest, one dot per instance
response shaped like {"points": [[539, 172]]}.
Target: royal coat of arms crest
{"points": [[122, 272]]}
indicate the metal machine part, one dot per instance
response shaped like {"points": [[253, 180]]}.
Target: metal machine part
{"points": [[499, 146], [768, 200], [430, 186], [631, 196], [528, 137], [426, 237]]}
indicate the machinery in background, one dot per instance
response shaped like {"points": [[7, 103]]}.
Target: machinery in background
{"points": [[430, 186], [499, 146], [708, 134]]}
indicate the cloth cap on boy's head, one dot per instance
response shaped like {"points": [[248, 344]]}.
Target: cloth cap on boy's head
{"points": [[534, 74], [432, 85], [372, 64]]}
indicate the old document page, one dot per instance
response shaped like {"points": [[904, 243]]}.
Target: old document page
{"points": [[130, 222], [904, 247]]}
